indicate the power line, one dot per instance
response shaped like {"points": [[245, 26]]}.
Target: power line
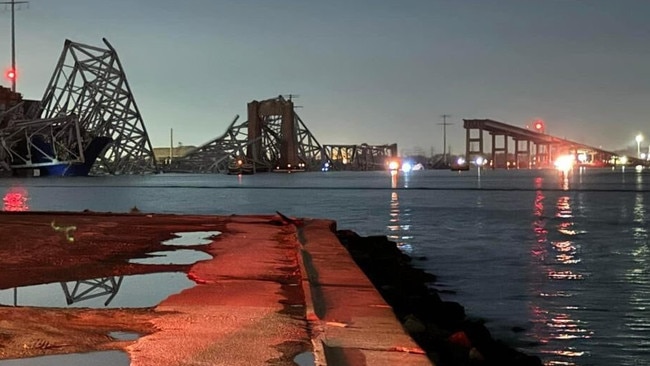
{"points": [[444, 125]]}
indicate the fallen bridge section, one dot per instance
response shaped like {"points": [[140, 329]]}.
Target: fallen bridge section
{"points": [[273, 138], [87, 120], [360, 157]]}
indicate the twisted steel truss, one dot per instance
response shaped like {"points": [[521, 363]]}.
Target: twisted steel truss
{"points": [[274, 137], [89, 289], [360, 157], [216, 155], [38, 143], [89, 82]]}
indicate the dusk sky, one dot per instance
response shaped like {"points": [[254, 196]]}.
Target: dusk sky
{"points": [[365, 71]]}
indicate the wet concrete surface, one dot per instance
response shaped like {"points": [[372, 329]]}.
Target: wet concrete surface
{"points": [[271, 290]]}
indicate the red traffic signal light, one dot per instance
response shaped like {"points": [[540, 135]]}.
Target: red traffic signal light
{"points": [[10, 74]]}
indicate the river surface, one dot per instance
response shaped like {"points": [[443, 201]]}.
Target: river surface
{"points": [[558, 265]]}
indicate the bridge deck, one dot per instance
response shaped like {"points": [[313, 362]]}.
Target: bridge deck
{"points": [[546, 146]]}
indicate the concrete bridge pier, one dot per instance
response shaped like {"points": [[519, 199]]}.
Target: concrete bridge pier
{"points": [[260, 113]]}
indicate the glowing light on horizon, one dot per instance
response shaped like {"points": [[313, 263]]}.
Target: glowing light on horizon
{"points": [[564, 162]]}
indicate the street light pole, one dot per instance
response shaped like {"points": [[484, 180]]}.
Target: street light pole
{"points": [[13, 39]]}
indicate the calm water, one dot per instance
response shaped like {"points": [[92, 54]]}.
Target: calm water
{"points": [[562, 259]]}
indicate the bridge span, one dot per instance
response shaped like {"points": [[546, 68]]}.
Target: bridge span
{"points": [[532, 149]]}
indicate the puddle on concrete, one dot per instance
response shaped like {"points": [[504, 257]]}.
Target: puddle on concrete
{"points": [[192, 238], [305, 359], [110, 292], [124, 336], [107, 358], [181, 256]]}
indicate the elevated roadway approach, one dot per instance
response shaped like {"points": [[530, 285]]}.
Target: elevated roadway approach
{"points": [[532, 147]]}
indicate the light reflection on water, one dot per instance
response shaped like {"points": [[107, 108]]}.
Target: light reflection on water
{"points": [[399, 224], [554, 306], [595, 316], [637, 321], [15, 199]]}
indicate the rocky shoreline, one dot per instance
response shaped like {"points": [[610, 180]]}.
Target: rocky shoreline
{"points": [[440, 328]]}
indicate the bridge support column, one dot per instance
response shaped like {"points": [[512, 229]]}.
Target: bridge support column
{"points": [[496, 149], [543, 156], [288, 148], [263, 112], [254, 130], [522, 151], [470, 144]]}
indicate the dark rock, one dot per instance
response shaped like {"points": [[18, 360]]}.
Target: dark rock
{"points": [[430, 321], [413, 325]]}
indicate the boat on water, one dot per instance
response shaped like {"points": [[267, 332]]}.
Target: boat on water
{"points": [[300, 167], [91, 153], [459, 165], [240, 167], [42, 164]]}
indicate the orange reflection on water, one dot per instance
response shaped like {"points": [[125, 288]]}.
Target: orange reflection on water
{"points": [[563, 207], [564, 275], [567, 328], [539, 224], [555, 331], [393, 179], [566, 252], [399, 224], [553, 312], [15, 199], [564, 179]]}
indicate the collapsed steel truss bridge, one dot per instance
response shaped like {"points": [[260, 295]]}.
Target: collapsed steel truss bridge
{"points": [[360, 157], [274, 138], [88, 118], [88, 98]]}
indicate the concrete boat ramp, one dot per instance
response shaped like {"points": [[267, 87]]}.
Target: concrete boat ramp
{"points": [[275, 291]]}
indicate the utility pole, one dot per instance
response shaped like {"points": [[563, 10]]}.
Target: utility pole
{"points": [[444, 135], [13, 40], [171, 145]]}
